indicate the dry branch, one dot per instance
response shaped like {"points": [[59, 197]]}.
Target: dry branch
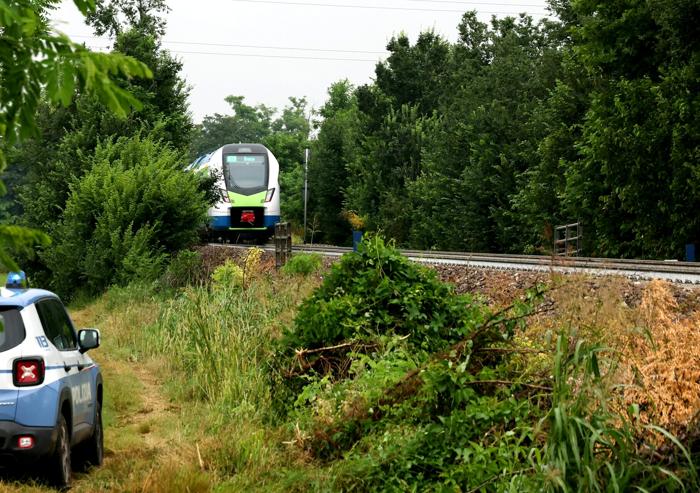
{"points": [[326, 357]]}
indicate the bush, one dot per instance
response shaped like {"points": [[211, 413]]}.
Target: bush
{"points": [[303, 264], [378, 291], [124, 216], [385, 380], [226, 276], [184, 269]]}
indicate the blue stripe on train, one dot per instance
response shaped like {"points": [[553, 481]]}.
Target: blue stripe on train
{"points": [[224, 222], [270, 221], [219, 222]]}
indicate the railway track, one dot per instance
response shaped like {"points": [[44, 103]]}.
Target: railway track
{"points": [[674, 271]]}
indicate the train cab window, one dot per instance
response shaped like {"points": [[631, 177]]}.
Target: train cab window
{"points": [[245, 172]]}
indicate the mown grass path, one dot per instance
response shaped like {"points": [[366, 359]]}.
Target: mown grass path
{"points": [[145, 446]]}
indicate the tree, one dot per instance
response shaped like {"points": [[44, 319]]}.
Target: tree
{"points": [[332, 152], [70, 136], [288, 139], [34, 60], [635, 180], [246, 124], [137, 27], [112, 17], [132, 208], [415, 74], [389, 161], [486, 137]]}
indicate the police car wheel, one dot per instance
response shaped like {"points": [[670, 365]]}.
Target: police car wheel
{"points": [[91, 452], [95, 445], [60, 461]]}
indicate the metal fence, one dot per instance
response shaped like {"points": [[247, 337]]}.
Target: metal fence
{"points": [[567, 240]]}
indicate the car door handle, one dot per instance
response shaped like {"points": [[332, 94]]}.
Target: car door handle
{"points": [[66, 367]]}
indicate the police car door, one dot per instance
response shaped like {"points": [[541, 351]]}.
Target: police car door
{"points": [[60, 332]]}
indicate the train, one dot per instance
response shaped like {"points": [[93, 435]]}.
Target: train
{"points": [[248, 182]]}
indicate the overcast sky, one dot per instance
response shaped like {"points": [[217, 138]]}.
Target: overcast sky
{"points": [[282, 48]]}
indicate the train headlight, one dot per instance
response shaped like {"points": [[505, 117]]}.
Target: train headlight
{"points": [[270, 194]]}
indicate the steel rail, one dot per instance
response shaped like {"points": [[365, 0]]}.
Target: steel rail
{"points": [[675, 271]]}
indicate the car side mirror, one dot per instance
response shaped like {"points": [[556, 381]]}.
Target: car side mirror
{"points": [[88, 339]]}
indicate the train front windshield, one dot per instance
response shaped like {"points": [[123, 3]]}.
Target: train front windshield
{"points": [[245, 172]]}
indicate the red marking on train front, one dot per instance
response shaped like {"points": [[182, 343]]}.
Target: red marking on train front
{"points": [[248, 217]]}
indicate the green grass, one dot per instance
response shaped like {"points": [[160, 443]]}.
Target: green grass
{"points": [[191, 404]]}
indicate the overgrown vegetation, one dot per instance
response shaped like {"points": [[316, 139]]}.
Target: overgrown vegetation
{"points": [[124, 216], [486, 143], [232, 386], [392, 401]]}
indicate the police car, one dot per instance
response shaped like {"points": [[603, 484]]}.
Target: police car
{"points": [[50, 389]]}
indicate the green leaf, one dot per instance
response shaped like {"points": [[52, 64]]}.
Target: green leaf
{"points": [[67, 83], [85, 6]]}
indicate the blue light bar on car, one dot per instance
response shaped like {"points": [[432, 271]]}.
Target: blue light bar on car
{"points": [[17, 280]]}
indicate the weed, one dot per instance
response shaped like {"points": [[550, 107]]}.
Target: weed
{"points": [[303, 264], [663, 360], [184, 269], [228, 276], [592, 448]]}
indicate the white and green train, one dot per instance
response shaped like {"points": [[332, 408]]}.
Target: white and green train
{"points": [[248, 181]]}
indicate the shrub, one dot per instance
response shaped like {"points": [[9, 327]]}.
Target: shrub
{"points": [[378, 291], [303, 264], [124, 216], [226, 276], [185, 269], [405, 385]]}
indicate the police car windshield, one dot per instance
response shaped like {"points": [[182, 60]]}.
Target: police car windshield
{"points": [[11, 328]]}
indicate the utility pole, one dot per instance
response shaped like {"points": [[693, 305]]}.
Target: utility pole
{"points": [[306, 186]]}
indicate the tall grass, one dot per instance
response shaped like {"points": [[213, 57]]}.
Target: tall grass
{"points": [[221, 339], [216, 345], [590, 447]]}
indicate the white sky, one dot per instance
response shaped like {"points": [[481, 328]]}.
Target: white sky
{"points": [[262, 71]]}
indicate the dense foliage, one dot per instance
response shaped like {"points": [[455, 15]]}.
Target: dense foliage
{"points": [[396, 383], [75, 177], [378, 292], [132, 208], [37, 62], [490, 142]]}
